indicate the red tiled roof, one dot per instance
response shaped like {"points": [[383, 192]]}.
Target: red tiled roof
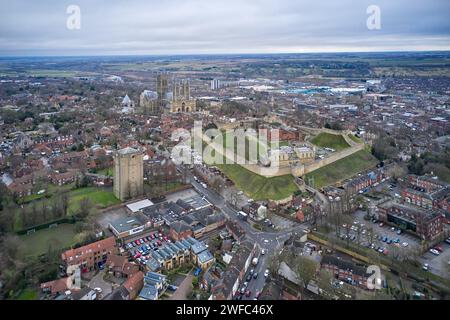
{"points": [[81, 252]]}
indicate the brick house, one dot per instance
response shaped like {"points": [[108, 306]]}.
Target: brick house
{"points": [[425, 223], [345, 270], [88, 257]]}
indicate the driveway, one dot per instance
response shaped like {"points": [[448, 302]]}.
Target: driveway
{"points": [[98, 282], [184, 288]]}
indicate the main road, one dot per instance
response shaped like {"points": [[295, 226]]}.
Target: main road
{"points": [[271, 242]]}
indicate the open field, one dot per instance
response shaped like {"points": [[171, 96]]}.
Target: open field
{"points": [[38, 242], [328, 140], [99, 197], [342, 169], [259, 187]]}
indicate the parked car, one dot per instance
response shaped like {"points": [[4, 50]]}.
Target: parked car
{"points": [[248, 293], [405, 244], [447, 240], [438, 248], [435, 252], [426, 266], [399, 231], [266, 273], [249, 277], [255, 275], [381, 224]]}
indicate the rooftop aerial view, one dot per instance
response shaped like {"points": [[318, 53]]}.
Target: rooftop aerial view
{"points": [[240, 150]]}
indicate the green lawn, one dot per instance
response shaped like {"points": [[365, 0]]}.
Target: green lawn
{"points": [[106, 172], [328, 140], [101, 198], [38, 242], [342, 169], [28, 294], [259, 187], [355, 138]]}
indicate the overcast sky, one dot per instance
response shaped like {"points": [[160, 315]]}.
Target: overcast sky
{"points": [[38, 27]]}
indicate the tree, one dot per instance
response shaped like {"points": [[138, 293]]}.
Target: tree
{"points": [[33, 214], [7, 218], [234, 197], [216, 184], [325, 280], [370, 234], [306, 269], [64, 200], [85, 208], [195, 282]]}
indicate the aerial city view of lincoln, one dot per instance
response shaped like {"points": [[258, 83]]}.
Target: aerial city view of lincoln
{"points": [[224, 150]]}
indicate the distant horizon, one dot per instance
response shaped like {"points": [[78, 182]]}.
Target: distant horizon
{"points": [[225, 54]]}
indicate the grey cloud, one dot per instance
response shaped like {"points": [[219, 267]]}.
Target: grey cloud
{"points": [[208, 26]]}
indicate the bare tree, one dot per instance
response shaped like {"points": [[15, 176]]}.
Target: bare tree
{"points": [[64, 204], [306, 270], [85, 208], [234, 197], [8, 218]]}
